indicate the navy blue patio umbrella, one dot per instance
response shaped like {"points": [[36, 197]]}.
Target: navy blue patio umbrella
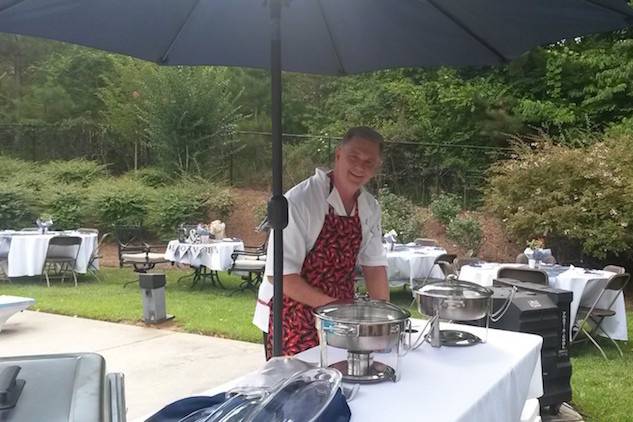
{"points": [[313, 36]]}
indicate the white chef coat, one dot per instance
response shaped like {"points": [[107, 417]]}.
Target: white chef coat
{"points": [[308, 204]]}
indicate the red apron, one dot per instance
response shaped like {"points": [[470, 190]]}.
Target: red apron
{"points": [[329, 267]]}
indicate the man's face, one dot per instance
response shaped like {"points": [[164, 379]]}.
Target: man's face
{"points": [[356, 162]]}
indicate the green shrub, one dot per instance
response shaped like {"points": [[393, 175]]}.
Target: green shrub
{"points": [[583, 195], [27, 175], [152, 177], [466, 232], [81, 172], [120, 202], [10, 167], [68, 209], [188, 202], [445, 207], [399, 214], [16, 208], [261, 212]]}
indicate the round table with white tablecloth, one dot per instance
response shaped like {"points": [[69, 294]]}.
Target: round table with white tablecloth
{"points": [[215, 256], [27, 251], [585, 285], [406, 263]]}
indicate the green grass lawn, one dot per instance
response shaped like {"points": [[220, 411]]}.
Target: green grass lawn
{"points": [[603, 390]]}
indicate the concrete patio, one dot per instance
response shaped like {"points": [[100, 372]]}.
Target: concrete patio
{"points": [[160, 365]]}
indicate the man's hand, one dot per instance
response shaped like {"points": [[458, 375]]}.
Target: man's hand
{"points": [[376, 282]]}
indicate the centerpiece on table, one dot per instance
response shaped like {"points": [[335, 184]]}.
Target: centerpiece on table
{"points": [[391, 238], [43, 222], [202, 232], [536, 253], [217, 229]]}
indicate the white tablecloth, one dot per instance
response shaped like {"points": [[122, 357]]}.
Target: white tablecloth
{"points": [[407, 263], [486, 382], [27, 251], [584, 285], [215, 256]]}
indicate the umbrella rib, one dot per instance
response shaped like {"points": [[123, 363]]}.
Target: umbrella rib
{"points": [[329, 32], [465, 27], [165, 55], [610, 9], [10, 5]]}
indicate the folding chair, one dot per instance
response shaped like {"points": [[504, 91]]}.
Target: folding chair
{"points": [[614, 269], [527, 275], [458, 263], [596, 315], [444, 261], [5, 246], [549, 260], [96, 255], [61, 257], [522, 259], [421, 241]]}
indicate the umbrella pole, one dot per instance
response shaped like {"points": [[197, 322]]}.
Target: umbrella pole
{"points": [[278, 205]]}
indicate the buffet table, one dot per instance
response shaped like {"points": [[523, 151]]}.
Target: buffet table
{"points": [[488, 382], [585, 285], [27, 251]]}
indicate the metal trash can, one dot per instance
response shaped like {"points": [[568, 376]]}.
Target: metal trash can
{"points": [[153, 293], [70, 387]]}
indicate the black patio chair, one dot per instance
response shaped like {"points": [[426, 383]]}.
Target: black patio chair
{"points": [[251, 262], [133, 249]]}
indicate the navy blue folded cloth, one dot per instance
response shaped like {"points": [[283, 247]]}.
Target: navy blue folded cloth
{"points": [[337, 411]]}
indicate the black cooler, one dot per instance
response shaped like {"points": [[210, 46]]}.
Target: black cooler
{"points": [[60, 388], [541, 310]]}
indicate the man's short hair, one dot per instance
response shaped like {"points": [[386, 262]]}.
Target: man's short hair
{"points": [[364, 132]]}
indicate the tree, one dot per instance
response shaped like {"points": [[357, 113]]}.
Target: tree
{"points": [[191, 117]]}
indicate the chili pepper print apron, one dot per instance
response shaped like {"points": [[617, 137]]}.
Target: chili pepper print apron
{"points": [[329, 267]]}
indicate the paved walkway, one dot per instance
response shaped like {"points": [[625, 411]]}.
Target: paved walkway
{"points": [[160, 366]]}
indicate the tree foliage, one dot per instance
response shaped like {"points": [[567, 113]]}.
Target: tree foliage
{"points": [[564, 193]]}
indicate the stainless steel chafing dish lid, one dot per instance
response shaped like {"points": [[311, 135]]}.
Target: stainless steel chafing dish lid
{"points": [[457, 289], [364, 311]]}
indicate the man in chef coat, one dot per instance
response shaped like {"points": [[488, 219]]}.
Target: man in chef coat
{"points": [[333, 225]]}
